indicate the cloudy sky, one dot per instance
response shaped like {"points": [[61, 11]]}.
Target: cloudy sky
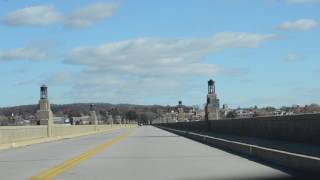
{"points": [[264, 52]]}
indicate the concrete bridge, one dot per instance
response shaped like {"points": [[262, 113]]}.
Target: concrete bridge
{"points": [[133, 152]]}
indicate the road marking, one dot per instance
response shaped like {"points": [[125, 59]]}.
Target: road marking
{"points": [[67, 165]]}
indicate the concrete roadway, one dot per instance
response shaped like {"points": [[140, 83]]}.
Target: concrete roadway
{"points": [[145, 153]]}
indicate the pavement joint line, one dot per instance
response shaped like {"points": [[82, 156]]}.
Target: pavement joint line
{"points": [[68, 164]]}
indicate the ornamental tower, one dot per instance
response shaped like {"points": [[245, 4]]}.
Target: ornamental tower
{"points": [[212, 106], [93, 115], [181, 116], [44, 114]]}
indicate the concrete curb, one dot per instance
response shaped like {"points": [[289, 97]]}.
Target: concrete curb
{"points": [[298, 162], [49, 139]]}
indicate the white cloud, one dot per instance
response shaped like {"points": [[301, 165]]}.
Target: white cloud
{"points": [[128, 71], [88, 15], [34, 16], [153, 56], [32, 52], [194, 69], [301, 1], [43, 15], [108, 87], [294, 57], [24, 82], [299, 25]]}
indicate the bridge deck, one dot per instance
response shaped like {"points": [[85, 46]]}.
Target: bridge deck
{"points": [[145, 153]]}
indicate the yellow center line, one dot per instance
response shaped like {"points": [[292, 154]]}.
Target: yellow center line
{"points": [[67, 165]]}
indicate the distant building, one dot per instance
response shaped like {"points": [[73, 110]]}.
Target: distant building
{"points": [[61, 120], [241, 113], [81, 120], [282, 113]]}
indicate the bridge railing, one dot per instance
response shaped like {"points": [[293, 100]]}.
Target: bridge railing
{"points": [[13, 136], [9, 134], [303, 128]]}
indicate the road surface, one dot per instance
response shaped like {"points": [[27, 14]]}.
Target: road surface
{"points": [[135, 153]]}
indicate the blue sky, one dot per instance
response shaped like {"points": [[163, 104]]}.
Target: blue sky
{"points": [[159, 52]]}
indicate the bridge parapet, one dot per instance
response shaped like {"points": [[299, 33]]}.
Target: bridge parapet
{"points": [[303, 128], [15, 136]]}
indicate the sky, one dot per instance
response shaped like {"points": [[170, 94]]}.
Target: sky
{"points": [[264, 53]]}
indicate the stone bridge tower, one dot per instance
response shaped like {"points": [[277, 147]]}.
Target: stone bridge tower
{"points": [[93, 115], [109, 117], [212, 106], [181, 116], [44, 114]]}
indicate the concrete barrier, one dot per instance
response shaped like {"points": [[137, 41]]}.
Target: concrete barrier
{"points": [[16, 136], [304, 128], [9, 134], [298, 162]]}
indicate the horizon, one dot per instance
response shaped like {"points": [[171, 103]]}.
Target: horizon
{"points": [[186, 105], [147, 53]]}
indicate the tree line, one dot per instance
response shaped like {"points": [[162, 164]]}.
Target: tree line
{"points": [[140, 113]]}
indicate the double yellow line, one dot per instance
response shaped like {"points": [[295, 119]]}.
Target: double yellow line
{"points": [[65, 166]]}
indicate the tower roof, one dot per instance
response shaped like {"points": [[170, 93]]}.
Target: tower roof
{"points": [[91, 107], [43, 85], [210, 82]]}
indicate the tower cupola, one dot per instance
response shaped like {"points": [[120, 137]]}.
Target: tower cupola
{"points": [[43, 92]]}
